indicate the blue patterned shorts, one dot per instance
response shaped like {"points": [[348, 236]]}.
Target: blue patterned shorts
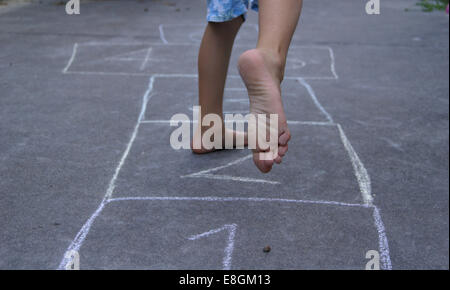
{"points": [[226, 10]]}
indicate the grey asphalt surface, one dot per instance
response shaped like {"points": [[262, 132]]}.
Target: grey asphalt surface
{"points": [[72, 90]]}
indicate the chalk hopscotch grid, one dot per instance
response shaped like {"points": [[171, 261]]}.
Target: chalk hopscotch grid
{"points": [[359, 170]]}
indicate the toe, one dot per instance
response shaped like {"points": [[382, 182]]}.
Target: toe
{"points": [[278, 160], [263, 165], [268, 164], [284, 138], [282, 150]]}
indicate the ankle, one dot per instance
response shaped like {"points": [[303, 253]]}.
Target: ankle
{"points": [[275, 61]]}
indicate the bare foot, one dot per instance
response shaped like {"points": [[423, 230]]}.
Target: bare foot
{"points": [[236, 135], [262, 75]]}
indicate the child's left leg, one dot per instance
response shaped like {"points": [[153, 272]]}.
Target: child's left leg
{"points": [[213, 60]]}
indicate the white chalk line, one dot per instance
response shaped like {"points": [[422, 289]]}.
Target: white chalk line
{"points": [[161, 34], [82, 234], [333, 63], [230, 247], [72, 57], [207, 234], [315, 100], [125, 59], [107, 73], [231, 228], [236, 199], [382, 240], [361, 174], [77, 242], [360, 171], [146, 98], [144, 63], [237, 161], [231, 178]]}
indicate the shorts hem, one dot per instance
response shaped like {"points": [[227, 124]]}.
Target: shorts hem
{"points": [[225, 19]]}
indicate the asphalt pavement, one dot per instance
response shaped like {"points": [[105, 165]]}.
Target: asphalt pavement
{"points": [[86, 163]]}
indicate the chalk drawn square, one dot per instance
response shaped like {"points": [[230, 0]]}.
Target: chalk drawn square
{"points": [[161, 235], [315, 62], [134, 59], [317, 167], [182, 95]]}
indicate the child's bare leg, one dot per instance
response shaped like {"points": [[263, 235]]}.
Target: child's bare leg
{"points": [[262, 69], [213, 61]]}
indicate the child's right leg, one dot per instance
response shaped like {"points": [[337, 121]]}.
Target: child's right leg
{"points": [[262, 69]]}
